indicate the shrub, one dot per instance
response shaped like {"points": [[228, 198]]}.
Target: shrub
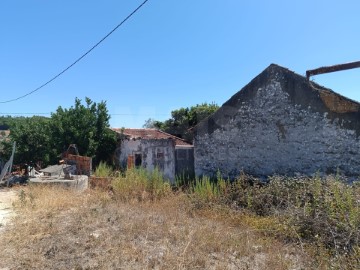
{"points": [[325, 211], [313, 210], [103, 170], [328, 213]]}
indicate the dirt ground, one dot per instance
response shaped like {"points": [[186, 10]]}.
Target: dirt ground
{"points": [[60, 229], [7, 197]]}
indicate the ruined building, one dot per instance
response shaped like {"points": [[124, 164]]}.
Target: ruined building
{"points": [[151, 148], [280, 123]]}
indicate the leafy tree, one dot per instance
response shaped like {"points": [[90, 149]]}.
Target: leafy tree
{"points": [[152, 123], [44, 139], [183, 119], [33, 141], [87, 126]]}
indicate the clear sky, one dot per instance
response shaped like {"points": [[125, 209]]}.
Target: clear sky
{"points": [[170, 54]]}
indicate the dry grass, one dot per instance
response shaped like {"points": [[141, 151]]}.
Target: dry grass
{"points": [[62, 229]]}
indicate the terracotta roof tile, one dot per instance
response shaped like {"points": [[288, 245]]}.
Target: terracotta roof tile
{"points": [[149, 133]]}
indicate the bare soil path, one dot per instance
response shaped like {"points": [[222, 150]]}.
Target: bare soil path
{"points": [[7, 197]]}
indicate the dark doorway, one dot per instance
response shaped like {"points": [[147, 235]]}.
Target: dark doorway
{"points": [[138, 160]]}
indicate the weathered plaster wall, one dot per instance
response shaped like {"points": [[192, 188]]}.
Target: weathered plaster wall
{"points": [[276, 127], [126, 148], [158, 153]]}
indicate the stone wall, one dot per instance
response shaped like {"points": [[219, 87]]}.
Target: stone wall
{"points": [[280, 124]]}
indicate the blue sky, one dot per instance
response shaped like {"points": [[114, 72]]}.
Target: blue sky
{"points": [[170, 54]]}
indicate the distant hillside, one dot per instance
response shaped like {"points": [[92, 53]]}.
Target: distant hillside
{"points": [[7, 122]]}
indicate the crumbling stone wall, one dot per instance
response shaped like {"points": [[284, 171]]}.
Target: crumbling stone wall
{"points": [[280, 124]]}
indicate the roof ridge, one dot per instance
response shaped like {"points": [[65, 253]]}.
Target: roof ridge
{"points": [[150, 132], [170, 135]]}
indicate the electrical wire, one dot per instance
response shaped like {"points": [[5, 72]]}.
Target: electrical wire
{"points": [[79, 59]]}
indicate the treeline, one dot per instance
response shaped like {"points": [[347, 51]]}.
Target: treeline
{"points": [[183, 119], [42, 139], [8, 122]]}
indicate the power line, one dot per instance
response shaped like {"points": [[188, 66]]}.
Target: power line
{"points": [[79, 59]]}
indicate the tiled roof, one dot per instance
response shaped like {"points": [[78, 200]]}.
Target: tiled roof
{"points": [[149, 133]]}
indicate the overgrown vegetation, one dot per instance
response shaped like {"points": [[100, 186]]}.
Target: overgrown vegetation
{"points": [[103, 170], [309, 211], [322, 213], [63, 229], [288, 223], [141, 185]]}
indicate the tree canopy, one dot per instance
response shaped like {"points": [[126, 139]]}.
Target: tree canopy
{"points": [[44, 139], [183, 119], [33, 142], [85, 125]]}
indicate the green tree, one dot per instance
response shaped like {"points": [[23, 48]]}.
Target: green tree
{"points": [[87, 126], [183, 119], [44, 139], [33, 141], [152, 123]]}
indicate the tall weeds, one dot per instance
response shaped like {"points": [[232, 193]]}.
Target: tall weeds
{"points": [[308, 210], [103, 170], [321, 216], [140, 185], [325, 212]]}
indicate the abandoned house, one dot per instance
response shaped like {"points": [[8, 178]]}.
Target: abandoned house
{"points": [[151, 148], [280, 123]]}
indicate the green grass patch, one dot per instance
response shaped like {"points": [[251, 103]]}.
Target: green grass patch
{"points": [[103, 170]]}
